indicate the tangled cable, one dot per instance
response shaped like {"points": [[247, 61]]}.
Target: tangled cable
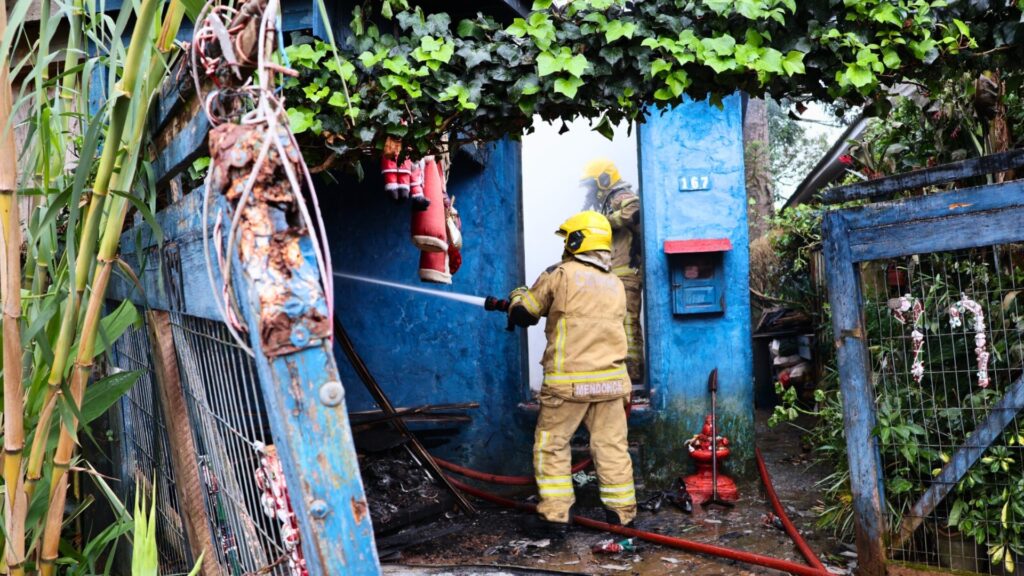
{"points": [[232, 46]]}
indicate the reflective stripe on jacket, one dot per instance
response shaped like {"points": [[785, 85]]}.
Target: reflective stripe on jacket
{"points": [[586, 343]]}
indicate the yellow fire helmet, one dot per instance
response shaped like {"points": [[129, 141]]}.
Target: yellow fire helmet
{"points": [[585, 232], [602, 172]]}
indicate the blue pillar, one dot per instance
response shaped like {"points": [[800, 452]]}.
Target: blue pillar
{"points": [[699, 140]]}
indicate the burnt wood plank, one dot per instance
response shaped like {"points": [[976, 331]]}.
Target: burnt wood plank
{"points": [[943, 174], [965, 231]]}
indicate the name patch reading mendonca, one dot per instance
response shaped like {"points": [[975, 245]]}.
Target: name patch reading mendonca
{"points": [[608, 388]]}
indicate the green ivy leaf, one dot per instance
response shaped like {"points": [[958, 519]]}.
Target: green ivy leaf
{"points": [[658, 66], [315, 92], [720, 65], [370, 59], [859, 76], [754, 38], [341, 67], [750, 9], [770, 61], [467, 28], [337, 100], [793, 63], [301, 55], [524, 86], [605, 128], [541, 4], [723, 45], [568, 85], [547, 64], [678, 81], [716, 6], [517, 28], [891, 58], [474, 56], [300, 119], [663, 94], [886, 13], [617, 29], [576, 65]]}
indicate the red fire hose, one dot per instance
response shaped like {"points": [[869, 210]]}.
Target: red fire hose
{"points": [[497, 478], [816, 568], [769, 490], [680, 543]]}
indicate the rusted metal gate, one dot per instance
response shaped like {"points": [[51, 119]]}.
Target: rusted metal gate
{"points": [[221, 407], [927, 300]]}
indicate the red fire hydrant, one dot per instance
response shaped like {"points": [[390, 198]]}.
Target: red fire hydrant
{"points": [[700, 484]]}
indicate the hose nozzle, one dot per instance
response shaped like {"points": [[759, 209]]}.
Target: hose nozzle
{"points": [[492, 304]]}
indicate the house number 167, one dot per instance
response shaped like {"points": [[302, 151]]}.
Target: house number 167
{"points": [[692, 183]]}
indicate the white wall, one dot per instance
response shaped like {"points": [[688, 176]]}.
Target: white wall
{"points": [[552, 164]]}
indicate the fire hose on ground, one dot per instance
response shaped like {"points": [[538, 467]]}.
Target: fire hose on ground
{"points": [[498, 478], [816, 568]]}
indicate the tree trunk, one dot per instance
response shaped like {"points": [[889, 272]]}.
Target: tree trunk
{"points": [[760, 205]]}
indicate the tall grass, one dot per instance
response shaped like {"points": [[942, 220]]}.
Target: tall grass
{"points": [[76, 173]]}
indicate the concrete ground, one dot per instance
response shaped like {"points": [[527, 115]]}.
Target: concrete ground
{"points": [[497, 542]]}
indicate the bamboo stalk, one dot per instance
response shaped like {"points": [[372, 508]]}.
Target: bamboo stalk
{"points": [[87, 243], [105, 256], [10, 293], [101, 187]]}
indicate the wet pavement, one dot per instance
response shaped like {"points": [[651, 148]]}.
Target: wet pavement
{"points": [[498, 540]]}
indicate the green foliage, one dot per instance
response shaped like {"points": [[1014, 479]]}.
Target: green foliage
{"points": [[610, 61], [945, 125], [145, 558]]}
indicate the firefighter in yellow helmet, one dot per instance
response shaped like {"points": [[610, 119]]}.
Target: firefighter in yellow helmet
{"points": [[612, 196], [585, 376]]}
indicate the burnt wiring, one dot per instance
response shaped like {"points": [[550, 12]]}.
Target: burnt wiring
{"points": [[233, 73]]}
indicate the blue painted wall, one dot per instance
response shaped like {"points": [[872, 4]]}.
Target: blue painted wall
{"points": [[424, 349], [695, 138]]}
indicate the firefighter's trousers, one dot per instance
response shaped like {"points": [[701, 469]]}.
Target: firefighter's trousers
{"points": [[556, 424], [634, 331]]}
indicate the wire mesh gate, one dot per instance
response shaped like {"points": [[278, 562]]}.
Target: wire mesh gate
{"points": [[145, 453], [927, 297], [944, 331], [229, 427]]}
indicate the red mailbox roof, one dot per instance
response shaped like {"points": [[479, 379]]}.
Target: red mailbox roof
{"points": [[697, 245]]}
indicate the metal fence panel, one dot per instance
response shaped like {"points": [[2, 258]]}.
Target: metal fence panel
{"points": [[145, 452], [945, 335], [230, 430]]}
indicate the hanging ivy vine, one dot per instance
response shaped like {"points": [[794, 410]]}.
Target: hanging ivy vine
{"points": [[417, 76]]}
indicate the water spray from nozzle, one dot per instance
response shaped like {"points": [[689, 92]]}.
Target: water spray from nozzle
{"points": [[490, 303], [464, 298]]}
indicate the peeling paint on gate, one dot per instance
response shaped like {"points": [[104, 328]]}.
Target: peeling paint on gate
{"points": [[293, 310]]}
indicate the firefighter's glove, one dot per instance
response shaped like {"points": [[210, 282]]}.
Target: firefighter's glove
{"points": [[518, 311]]}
